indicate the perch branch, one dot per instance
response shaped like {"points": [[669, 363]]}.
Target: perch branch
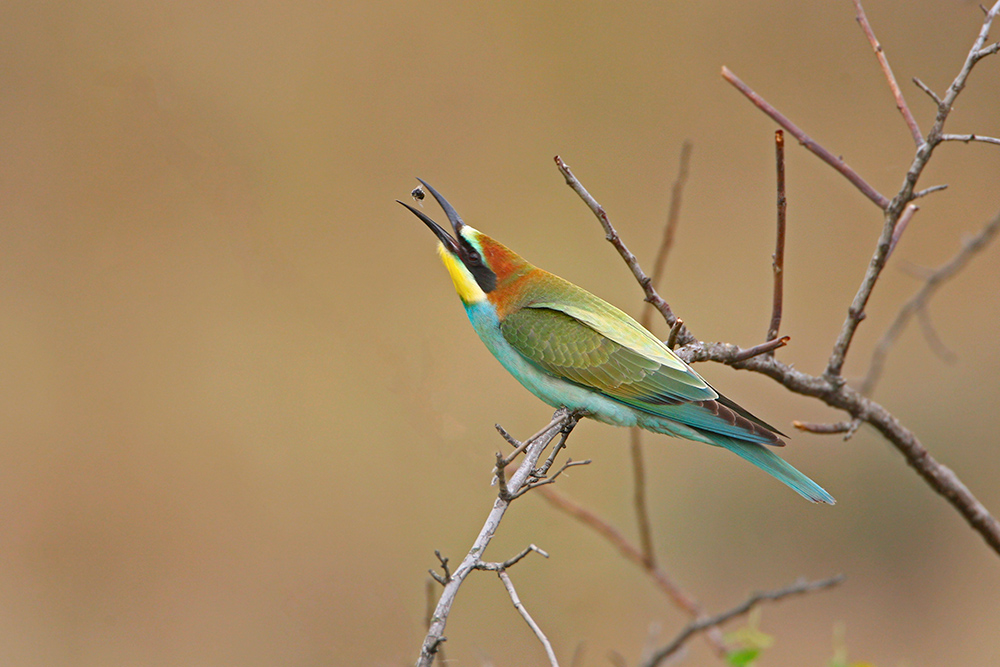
{"points": [[800, 587], [835, 393], [535, 446]]}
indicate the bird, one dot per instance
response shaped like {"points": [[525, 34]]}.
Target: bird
{"points": [[575, 350]]}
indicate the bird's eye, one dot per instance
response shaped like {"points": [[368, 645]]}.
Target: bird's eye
{"points": [[474, 258]]}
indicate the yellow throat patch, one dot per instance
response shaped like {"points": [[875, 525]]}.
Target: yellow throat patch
{"points": [[465, 284]]}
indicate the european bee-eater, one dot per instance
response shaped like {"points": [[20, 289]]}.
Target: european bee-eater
{"points": [[574, 350]]}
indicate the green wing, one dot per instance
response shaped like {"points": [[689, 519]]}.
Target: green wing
{"points": [[562, 345], [614, 355]]}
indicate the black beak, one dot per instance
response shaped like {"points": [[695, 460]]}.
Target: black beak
{"points": [[456, 222]]}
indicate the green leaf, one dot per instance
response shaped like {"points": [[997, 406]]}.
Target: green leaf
{"points": [[743, 657]]}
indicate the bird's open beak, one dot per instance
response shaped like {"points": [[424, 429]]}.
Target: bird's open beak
{"points": [[446, 239]]}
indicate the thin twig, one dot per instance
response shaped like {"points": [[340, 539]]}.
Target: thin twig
{"points": [[763, 348], [798, 588], [826, 156], [923, 86], [848, 428], [927, 191], [513, 560], [966, 138], [535, 482], [823, 429], [904, 221], [883, 62], [527, 617], [778, 258], [918, 301], [639, 498], [933, 339]]}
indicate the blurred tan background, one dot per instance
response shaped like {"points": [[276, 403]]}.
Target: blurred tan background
{"points": [[240, 404]]}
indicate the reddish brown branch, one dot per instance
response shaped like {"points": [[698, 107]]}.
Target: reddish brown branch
{"points": [[837, 163], [763, 348], [883, 62], [778, 259]]}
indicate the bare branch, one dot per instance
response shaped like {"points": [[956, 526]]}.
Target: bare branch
{"points": [[883, 62], [837, 163], [546, 644], [639, 498], [778, 258], [918, 301], [536, 445], [612, 236], [966, 138], [933, 339], [899, 203], [833, 391], [800, 587]]}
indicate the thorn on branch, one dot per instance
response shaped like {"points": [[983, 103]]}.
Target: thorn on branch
{"points": [[675, 331]]}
